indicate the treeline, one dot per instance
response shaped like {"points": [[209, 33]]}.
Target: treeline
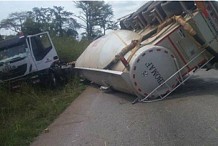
{"points": [[95, 15]]}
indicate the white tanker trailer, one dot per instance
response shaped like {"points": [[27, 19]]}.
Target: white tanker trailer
{"points": [[154, 60]]}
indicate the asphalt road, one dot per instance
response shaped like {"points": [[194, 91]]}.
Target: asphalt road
{"points": [[188, 117]]}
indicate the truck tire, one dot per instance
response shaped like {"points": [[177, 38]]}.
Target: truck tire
{"points": [[172, 8], [52, 80]]}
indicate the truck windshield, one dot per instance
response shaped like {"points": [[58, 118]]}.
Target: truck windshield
{"points": [[13, 51]]}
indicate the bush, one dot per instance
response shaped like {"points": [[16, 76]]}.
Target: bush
{"points": [[68, 48]]}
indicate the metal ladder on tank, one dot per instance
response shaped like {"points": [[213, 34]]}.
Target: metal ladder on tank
{"points": [[180, 82]]}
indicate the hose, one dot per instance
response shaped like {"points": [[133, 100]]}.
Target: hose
{"points": [[122, 53], [186, 26]]}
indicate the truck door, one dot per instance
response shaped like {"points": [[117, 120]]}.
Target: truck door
{"points": [[43, 50]]}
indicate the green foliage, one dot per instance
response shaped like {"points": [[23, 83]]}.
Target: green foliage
{"points": [[14, 21], [68, 48], [30, 27], [26, 112], [55, 20], [106, 14], [96, 15]]}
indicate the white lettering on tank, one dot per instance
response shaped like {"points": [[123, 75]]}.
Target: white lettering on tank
{"points": [[155, 73]]}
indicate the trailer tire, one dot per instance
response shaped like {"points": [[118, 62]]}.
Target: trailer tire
{"points": [[172, 8], [190, 5]]}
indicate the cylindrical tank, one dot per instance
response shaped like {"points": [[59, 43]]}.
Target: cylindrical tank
{"points": [[102, 51], [149, 67]]}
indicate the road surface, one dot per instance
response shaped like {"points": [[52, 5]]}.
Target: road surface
{"points": [[188, 117]]}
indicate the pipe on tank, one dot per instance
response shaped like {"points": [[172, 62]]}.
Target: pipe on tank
{"points": [[120, 55], [186, 26]]}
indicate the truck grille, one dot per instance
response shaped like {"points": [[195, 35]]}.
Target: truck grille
{"points": [[19, 71]]}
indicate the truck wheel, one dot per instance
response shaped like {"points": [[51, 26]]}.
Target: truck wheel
{"points": [[52, 80]]}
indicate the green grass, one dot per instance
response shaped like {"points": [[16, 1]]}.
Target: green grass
{"points": [[28, 111]]}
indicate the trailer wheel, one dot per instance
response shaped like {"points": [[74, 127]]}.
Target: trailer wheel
{"points": [[190, 5], [172, 8]]}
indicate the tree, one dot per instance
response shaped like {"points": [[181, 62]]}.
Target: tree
{"points": [[55, 20], [14, 21], [94, 14], [71, 33], [43, 17], [62, 19], [30, 27], [106, 15], [85, 16]]}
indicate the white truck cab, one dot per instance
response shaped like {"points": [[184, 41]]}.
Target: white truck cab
{"points": [[30, 56]]}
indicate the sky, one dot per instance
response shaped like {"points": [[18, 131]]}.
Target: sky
{"points": [[120, 8]]}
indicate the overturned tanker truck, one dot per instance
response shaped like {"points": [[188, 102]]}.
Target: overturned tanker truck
{"points": [[157, 49]]}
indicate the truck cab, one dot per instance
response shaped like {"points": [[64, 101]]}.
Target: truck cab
{"points": [[28, 56]]}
